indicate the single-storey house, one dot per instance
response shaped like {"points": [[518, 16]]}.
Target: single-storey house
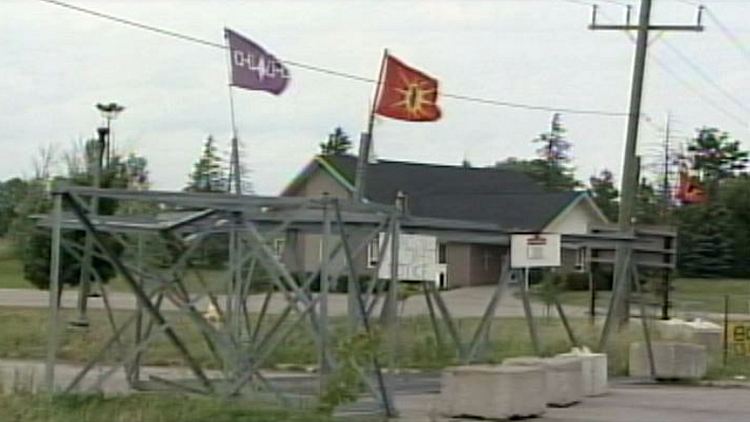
{"points": [[488, 195]]}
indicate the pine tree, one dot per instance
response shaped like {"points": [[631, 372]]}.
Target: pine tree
{"points": [[716, 156], [554, 156], [605, 194], [338, 143], [246, 183], [648, 205], [208, 173], [705, 248]]}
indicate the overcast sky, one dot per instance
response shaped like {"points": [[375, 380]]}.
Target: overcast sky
{"points": [[55, 64]]}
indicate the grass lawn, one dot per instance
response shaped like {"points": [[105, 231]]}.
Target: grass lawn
{"points": [[692, 296], [143, 408], [23, 336]]}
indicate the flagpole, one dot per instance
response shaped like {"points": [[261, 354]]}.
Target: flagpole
{"points": [[366, 137], [234, 158]]}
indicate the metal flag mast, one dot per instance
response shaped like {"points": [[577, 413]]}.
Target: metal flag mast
{"points": [[365, 141], [235, 175]]}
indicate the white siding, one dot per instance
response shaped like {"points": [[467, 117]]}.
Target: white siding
{"points": [[576, 220]]}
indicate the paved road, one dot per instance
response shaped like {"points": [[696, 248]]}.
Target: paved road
{"points": [[416, 397], [462, 303], [625, 403], [466, 302]]}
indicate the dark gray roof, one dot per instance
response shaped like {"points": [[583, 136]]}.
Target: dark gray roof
{"points": [[505, 197], [512, 211], [385, 178]]}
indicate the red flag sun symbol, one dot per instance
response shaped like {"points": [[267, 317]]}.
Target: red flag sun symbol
{"points": [[417, 96]]}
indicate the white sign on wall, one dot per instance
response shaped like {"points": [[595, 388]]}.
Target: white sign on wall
{"points": [[535, 250], [417, 258]]}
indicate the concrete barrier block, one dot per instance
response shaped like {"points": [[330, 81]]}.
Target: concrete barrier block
{"points": [[563, 378], [493, 392], [593, 371], [673, 360]]}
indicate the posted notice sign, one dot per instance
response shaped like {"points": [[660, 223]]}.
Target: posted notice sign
{"points": [[535, 250], [739, 338]]}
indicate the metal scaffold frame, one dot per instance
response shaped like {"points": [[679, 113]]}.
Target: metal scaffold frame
{"points": [[239, 345], [243, 342]]}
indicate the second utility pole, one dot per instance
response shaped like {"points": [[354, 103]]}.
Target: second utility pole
{"points": [[618, 308]]}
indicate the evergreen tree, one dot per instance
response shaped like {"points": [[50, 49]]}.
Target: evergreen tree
{"points": [[552, 179], [554, 156], [705, 247], [648, 204], [716, 156], [338, 143], [208, 173], [12, 192], [605, 194], [734, 195], [246, 184]]}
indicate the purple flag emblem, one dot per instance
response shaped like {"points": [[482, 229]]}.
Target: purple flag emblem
{"points": [[254, 68]]}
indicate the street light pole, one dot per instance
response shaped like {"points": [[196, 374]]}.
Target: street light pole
{"points": [[104, 148], [84, 282], [110, 112]]}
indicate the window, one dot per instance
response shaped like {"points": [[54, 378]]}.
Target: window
{"points": [[373, 250], [580, 265], [278, 248], [442, 253]]}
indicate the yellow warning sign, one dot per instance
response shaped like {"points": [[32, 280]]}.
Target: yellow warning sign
{"points": [[739, 338]]}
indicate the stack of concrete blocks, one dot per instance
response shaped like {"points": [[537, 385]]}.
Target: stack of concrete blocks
{"points": [[563, 378], [672, 360], [700, 332], [593, 371], [492, 391]]}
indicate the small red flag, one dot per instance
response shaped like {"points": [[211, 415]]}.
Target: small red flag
{"points": [[690, 190], [407, 94]]}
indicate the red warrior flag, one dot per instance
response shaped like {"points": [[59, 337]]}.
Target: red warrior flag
{"points": [[407, 94], [690, 190]]}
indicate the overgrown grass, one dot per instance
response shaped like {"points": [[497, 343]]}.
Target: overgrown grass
{"points": [[23, 336], [689, 296], [143, 408]]}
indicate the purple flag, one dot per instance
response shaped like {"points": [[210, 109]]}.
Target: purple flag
{"points": [[254, 68]]}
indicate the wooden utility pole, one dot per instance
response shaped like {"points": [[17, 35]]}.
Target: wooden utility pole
{"points": [[629, 184]]}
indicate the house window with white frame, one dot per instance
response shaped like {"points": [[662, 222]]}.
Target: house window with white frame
{"points": [[373, 252], [580, 264]]}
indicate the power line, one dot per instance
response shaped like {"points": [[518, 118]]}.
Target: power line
{"points": [[690, 87], [744, 50], [705, 76], [332, 72]]}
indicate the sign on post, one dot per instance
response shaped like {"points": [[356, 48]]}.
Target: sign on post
{"points": [[417, 258], [535, 250], [739, 338]]}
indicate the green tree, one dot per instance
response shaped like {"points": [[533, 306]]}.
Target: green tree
{"points": [[734, 195], [705, 246], [338, 143], [12, 192], [32, 244], [208, 173], [554, 157], [552, 179], [716, 156], [648, 205], [605, 194]]}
